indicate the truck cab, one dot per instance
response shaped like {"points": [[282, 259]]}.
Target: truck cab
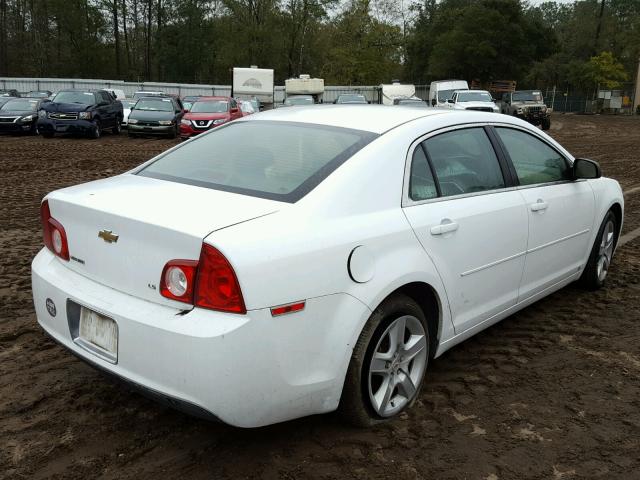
{"points": [[442, 90]]}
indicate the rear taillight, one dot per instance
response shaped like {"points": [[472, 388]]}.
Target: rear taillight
{"points": [[53, 234], [178, 280], [208, 283]]}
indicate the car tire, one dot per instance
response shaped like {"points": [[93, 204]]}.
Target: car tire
{"points": [[96, 131], [595, 272], [34, 129], [173, 133], [384, 379], [546, 124], [117, 128]]}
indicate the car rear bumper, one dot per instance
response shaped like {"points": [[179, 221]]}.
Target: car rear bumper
{"points": [[246, 370]]}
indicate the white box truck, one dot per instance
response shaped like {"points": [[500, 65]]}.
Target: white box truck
{"points": [[442, 90], [253, 84]]}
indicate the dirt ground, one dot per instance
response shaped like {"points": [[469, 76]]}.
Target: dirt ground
{"points": [[550, 393]]}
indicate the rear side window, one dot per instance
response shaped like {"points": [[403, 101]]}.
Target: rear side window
{"points": [[276, 160], [535, 161], [464, 162], [422, 186]]}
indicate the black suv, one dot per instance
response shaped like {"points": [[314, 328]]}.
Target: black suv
{"points": [[87, 112]]}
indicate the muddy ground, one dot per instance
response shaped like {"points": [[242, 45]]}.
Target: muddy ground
{"points": [[550, 393]]}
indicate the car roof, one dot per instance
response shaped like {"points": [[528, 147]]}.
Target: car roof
{"points": [[372, 118], [212, 98]]}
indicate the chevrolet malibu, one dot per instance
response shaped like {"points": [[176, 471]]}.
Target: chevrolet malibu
{"points": [[306, 260]]}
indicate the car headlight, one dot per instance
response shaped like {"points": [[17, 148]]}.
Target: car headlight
{"points": [[165, 122], [27, 118], [84, 115], [42, 114], [132, 120], [219, 121], [184, 121]]}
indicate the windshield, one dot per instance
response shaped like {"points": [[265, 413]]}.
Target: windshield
{"points": [[22, 105], [154, 104], [127, 103], [299, 100], [275, 160], [38, 94], [527, 96], [208, 106], [352, 99], [444, 95], [84, 98], [474, 97]]}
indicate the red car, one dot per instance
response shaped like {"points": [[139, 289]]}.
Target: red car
{"points": [[208, 112]]}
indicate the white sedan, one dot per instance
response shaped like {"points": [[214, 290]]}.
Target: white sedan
{"points": [[479, 100], [300, 261]]}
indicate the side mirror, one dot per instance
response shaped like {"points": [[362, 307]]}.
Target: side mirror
{"points": [[434, 102], [234, 110], [585, 168], [449, 100]]}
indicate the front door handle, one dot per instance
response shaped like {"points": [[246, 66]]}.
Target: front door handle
{"points": [[539, 206], [446, 226]]}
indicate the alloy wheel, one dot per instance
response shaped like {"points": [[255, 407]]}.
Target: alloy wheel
{"points": [[397, 365], [605, 252]]}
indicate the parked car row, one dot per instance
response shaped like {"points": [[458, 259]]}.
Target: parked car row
{"points": [[91, 112]]}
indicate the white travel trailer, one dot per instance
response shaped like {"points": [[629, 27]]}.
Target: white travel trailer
{"points": [[253, 83], [442, 90], [396, 90], [304, 86]]}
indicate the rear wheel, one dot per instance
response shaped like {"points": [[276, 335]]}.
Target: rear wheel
{"points": [[173, 133], [388, 363], [117, 128], [597, 269]]}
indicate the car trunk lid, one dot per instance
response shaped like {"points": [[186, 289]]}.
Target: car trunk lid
{"points": [[122, 230]]}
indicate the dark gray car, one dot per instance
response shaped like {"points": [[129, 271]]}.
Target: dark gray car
{"points": [[155, 116]]}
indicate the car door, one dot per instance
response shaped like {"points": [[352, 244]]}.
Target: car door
{"points": [[105, 109], [561, 211], [470, 220]]}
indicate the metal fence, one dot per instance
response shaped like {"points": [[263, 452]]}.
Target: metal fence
{"points": [[24, 85], [371, 92]]}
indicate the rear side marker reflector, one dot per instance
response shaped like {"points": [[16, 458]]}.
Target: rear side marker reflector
{"points": [[284, 309]]}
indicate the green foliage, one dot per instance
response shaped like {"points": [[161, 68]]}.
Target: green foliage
{"points": [[344, 41]]}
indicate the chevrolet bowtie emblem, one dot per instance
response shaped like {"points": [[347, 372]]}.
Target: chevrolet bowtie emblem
{"points": [[108, 236]]}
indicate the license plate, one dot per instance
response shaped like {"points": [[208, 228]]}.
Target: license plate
{"points": [[61, 128], [99, 331]]}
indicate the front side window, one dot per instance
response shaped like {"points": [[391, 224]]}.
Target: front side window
{"points": [[276, 160], [464, 162], [535, 161]]}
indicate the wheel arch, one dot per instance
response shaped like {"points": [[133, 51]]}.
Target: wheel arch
{"points": [[429, 301], [616, 208]]}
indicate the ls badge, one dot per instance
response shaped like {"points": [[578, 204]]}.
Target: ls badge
{"points": [[108, 236]]}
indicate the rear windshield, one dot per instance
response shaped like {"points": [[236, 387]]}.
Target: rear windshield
{"points": [[268, 159]]}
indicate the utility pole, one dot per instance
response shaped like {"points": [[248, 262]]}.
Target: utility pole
{"points": [[595, 44]]}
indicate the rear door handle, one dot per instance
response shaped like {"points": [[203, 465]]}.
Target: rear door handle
{"points": [[539, 206], [445, 227]]}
